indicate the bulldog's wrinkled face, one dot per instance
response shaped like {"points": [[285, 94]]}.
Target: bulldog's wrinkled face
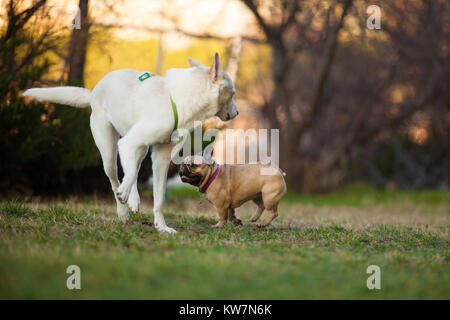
{"points": [[195, 169]]}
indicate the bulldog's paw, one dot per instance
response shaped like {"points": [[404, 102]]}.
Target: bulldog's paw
{"points": [[237, 222], [134, 201], [218, 224], [166, 229], [122, 193]]}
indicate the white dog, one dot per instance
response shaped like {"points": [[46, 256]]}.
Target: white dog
{"points": [[129, 115]]}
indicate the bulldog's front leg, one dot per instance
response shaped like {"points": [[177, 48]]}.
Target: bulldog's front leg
{"points": [[232, 217], [223, 215]]}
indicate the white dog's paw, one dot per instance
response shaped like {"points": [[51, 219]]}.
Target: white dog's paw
{"points": [[122, 193], [134, 201], [166, 229]]}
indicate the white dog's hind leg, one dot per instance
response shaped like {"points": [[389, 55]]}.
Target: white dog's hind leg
{"points": [[160, 165], [106, 137], [133, 199]]}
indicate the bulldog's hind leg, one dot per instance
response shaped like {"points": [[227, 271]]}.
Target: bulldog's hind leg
{"points": [[258, 211], [271, 197], [273, 213], [106, 137]]}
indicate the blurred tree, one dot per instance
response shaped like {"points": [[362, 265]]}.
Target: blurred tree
{"points": [[42, 146], [76, 57], [339, 90]]}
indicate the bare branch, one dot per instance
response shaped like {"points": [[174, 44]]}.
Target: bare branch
{"points": [[16, 22], [291, 18], [330, 53], [264, 26]]}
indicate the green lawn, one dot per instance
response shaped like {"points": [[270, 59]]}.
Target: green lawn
{"points": [[361, 195], [307, 259]]}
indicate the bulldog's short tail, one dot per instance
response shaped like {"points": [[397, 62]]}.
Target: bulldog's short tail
{"points": [[72, 96]]}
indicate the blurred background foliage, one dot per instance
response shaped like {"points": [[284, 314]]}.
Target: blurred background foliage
{"points": [[352, 104]]}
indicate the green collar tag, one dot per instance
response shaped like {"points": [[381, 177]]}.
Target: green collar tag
{"points": [[144, 76], [175, 113]]}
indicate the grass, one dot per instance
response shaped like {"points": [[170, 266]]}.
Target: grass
{"points": [[360, 195], [314, 250]]}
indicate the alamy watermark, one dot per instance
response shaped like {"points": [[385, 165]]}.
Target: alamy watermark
{"points": [[235, 139], [374, 281], [374, 19], [74, 23], [74, 280]]}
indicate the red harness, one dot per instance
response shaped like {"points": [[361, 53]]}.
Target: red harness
{"points": [[210, 180]]}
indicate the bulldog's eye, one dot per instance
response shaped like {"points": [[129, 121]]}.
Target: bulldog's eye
{"points": [[193, 165]]}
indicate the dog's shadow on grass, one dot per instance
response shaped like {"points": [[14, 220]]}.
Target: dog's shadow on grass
{"points": [[204, 225]]}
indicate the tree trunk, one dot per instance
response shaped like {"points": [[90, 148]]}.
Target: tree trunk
{"points": [[235, 55], [76, 57], [160, 56]]}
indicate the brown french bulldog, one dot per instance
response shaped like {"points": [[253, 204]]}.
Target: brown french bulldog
{"points": [[229, 186]]}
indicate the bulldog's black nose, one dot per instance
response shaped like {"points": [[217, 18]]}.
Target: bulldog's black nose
{"points": [[183, 171]]}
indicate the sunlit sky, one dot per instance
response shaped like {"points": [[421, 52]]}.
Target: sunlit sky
{"points": [[224, 18]]}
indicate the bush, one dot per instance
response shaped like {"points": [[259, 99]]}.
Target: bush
{"points": [[43, 146]]}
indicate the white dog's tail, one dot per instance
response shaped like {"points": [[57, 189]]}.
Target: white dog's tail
{"points": [[72, 96]]}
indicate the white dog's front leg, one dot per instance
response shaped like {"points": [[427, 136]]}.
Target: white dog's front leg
{"points": [[160, 166], [131, 153], [133, 199]]}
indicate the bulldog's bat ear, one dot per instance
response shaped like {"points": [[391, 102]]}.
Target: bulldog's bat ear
{"points": [[211, 162], [207, 155], [186, 159], [195, 63], [216, 68]]}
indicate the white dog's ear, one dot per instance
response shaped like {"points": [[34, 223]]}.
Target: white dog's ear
{"points": [[216, 68], [195, 63]]}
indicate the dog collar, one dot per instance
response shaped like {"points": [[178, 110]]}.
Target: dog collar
{"points": [[175, 113], [210, 180], [147, 75], [144, 76]]}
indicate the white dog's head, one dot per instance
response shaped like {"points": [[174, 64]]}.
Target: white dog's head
{"points": [[227, 109]]}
